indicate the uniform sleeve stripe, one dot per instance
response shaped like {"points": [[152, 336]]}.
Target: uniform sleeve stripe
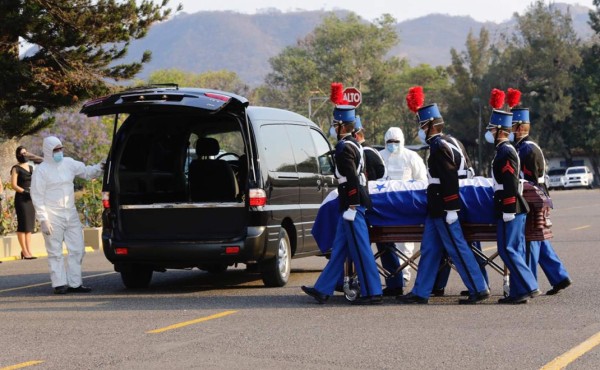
{"points": [[352, 192], [509, 200], [451, 197], [508, 167]]}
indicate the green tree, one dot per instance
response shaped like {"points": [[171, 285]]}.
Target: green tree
{"points": [[539, 59], [349, 50], [584, 128], [468, 96], [77, 43]]}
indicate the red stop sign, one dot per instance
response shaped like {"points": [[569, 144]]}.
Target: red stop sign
{"points": [[353, 96]]}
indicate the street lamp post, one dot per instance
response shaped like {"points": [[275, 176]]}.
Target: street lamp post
{"points": [[315, 98]]}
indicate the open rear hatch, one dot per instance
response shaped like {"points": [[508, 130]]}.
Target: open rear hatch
{"points": [[152, 158]]}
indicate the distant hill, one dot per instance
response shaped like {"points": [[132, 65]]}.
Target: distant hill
{"points": [[243, 43]]}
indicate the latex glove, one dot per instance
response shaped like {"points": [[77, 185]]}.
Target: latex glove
{"points": [[451, 217], [508, 217], [46, 227], [349, 214]]}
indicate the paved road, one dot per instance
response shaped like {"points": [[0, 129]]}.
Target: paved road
{"points": [[191, 319]]}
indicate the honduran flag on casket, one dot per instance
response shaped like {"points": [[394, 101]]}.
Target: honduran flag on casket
{"points": [[402, 203]]}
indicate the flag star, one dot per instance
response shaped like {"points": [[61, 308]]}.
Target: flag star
{"points": [[380, 187]]}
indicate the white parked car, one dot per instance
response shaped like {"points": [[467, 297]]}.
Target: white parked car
{"points": [[556, 178], [579, 176]]}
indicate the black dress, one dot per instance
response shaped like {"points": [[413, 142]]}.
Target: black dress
{"points": [[23, 204]]}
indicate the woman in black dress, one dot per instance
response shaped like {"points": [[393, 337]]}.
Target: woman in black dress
{"points": [[21, 182]]}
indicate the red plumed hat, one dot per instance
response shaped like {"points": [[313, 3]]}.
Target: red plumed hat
{"points": [[513, 97], [415, 98], [497, 99], [337, 95]]}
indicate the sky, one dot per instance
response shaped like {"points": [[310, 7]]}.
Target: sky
{"points": [[481, 10]]}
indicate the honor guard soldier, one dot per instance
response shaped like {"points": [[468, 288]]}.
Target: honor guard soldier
{"points": [[511, 209], [352, 234], [442, 231], [533, 169]]}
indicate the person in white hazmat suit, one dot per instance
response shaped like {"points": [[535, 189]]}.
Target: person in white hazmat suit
{"points": [[402, 164], [53, 196]]}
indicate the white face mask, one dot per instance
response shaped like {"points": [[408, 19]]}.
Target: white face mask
{"points": [[422, 136], [332, 132], [489, 137]]}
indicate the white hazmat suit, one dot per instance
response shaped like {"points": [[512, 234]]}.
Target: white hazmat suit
{"points": [[402, 164], [52, 193]]}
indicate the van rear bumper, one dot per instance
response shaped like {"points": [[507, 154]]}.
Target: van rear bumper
{"points": [[184, 254]]}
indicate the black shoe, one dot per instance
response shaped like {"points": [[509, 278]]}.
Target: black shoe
{"points": [[514, 300], [79, 289], [560, 286], [437, 293], [61, 289], [392, 292], [368, 300], [411, 299], [321, 298], [474, 299], [339, 288], [465, 293]]}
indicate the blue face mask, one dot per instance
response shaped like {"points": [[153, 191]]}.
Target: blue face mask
{"points": [[489, 137], [58, 156], [393, 147], [511, 137], [422, 136]]}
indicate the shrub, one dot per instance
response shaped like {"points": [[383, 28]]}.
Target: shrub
{"points": [[88, 201]]}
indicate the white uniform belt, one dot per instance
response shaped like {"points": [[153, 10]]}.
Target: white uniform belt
{"points": [[498, 187], [362, 180], [433, 180], [541, 180], [463, 173]]}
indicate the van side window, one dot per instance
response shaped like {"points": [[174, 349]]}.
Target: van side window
{"points": [[304, 149], [323, 149], [279, 156]]}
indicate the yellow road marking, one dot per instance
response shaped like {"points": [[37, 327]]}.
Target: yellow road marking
{"points": [[186, 323], [581, 227], [41, 255], [48, 283], [21, 365], [566, 358]]}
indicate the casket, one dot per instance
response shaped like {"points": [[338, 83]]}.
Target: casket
{"points": [[400, 207]]}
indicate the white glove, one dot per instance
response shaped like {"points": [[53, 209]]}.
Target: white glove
{"points": [[508, 217], [349, 214], [46, 227], [451, 217]]}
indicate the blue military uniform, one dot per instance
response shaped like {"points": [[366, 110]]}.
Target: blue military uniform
{"points": [[509, 202], [441, 235], [533, 169], [352, 236]]}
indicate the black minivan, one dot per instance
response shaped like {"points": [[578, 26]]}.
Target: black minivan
{"points": [[198, 178]]}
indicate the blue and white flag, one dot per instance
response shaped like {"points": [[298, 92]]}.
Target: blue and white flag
{"points": [[404, 203]]}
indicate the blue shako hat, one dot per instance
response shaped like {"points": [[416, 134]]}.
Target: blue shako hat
{"points": [[500, 118], [428, 113], [344, 114], [357, 124], [520, 115]]}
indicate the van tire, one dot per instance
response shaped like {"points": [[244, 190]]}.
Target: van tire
{"points": [[136, 276], [276, 271]]}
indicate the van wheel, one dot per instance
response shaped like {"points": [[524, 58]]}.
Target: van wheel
{"points": [[276, 271], [136, 276]]}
